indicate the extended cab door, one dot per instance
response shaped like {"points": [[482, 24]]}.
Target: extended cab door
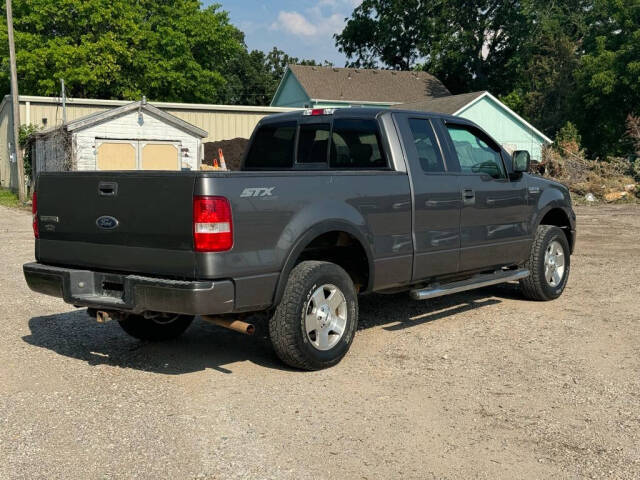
{"points": [[437, 201], [493, 229]]}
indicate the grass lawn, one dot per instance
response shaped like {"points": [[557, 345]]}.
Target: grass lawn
{"points": [[10, 199]]}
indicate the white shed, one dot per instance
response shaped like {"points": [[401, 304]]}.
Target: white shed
{"points": [[136, 136]]}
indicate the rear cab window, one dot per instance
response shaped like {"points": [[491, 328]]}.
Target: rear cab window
{"points": [[272, 147], [356, 144], [332, 143], [313, 143]]}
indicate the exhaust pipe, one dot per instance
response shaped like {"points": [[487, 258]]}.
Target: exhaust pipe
{"points": [[102, 316], [232, 324]]}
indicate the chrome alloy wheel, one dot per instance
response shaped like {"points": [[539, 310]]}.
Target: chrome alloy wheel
{"points": [[554, 264], [326, 317]]}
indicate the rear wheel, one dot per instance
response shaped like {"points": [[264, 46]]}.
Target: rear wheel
{"points": [[161, 326], [549, 263], [315, 323]]}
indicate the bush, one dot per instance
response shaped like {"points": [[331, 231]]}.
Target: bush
{"points": [[568, 139], [24, 136]]}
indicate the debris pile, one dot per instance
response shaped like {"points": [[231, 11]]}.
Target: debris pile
{"points": [[608, 180]]}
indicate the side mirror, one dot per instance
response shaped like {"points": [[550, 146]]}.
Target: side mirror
{"points": [[521, 160]]}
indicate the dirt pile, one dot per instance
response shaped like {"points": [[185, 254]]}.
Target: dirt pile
{"points": [[233, 151]]}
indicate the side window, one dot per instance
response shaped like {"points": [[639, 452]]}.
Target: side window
{"points": [[313, 143], [426, 145], [272, 147], [475, 154], [356, 144]]}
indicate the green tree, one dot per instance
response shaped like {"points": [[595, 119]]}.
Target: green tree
{"points": [[552, 62], [466, 44], [165, 49], [384, 32], [543, 71], [254, 77], [168, 50], [608, 76]]}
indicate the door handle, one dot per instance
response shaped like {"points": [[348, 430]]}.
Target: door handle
{"points": [[468, 196]]}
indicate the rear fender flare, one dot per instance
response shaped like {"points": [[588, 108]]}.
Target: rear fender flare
{"points": [[307, 237]]}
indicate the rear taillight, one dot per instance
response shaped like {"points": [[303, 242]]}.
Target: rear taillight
{"points": [[212, 224], [34, 213]]}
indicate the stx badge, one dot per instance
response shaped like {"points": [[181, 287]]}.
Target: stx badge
{"points": [[257, 192]]}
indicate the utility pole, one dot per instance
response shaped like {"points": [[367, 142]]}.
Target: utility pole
{"points": [[64, 102], [16, 104]]}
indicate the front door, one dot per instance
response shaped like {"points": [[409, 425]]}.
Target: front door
{"points": [[493, 230], [437, 201]]}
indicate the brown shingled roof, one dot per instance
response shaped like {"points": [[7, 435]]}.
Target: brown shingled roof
{"points": [[448, 105], [367, 85]]}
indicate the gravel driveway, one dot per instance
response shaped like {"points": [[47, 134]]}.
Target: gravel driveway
{"points": [[483, 384]]}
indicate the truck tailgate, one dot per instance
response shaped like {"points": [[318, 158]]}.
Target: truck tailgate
{"points": [[138, 222]]}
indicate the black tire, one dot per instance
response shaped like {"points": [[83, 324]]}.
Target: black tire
{"points": [[287, 325], [156, 329], [536, 286]]}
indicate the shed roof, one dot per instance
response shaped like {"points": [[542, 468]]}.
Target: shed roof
{"points": [[367, 85], [141, 105]]}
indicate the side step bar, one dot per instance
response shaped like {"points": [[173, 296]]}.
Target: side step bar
{"points": [[477, 281]]}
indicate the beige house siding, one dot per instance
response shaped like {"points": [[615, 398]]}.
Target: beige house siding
{"points": [[221, 121]]}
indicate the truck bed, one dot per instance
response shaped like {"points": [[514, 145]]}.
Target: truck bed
{"points": [[271, 211]]}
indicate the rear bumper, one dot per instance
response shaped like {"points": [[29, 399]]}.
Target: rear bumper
{"points": [[131, 293]]}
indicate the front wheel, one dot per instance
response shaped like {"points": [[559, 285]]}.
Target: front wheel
{"points": [[549, 263], [314, 324], [161, 326]]}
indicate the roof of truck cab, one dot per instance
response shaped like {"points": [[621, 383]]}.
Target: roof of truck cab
{"points": [[351, 112]]}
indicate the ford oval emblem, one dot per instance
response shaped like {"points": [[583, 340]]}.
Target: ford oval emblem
{"points": [[106, 222]]}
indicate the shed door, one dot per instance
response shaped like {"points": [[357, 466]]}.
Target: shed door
{"points": [[116, 155], [159, 156], [137, 155]]}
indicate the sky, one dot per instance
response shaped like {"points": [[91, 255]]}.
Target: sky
{"points": [[302, 28]]}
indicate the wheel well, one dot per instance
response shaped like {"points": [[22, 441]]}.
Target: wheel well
{"points": [[558, 218], [342, 249]]}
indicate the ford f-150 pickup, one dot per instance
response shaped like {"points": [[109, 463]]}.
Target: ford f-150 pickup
{"points": [[329, 204]]}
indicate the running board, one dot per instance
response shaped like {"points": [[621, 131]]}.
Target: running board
{"points": [[477, 281]]}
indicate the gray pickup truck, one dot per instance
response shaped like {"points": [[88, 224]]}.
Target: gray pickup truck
{"points": [[329, 204]]}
